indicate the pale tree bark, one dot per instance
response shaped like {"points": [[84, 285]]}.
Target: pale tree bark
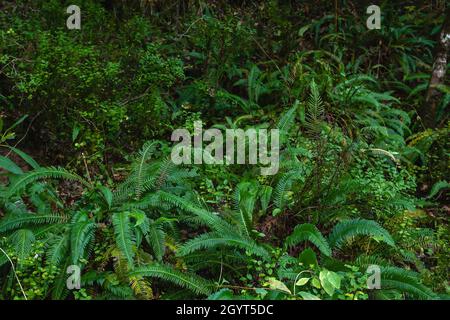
{"points": [[434, 96]]}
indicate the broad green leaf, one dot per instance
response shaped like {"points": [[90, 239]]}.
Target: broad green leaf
{"points": [[275, 284], [107, 195], [308, 296], [330, 281], [315, 282], [302, 281], [10, 166]]}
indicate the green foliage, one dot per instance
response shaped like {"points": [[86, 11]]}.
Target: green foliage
{"points": [[192, 282], [308, 232], [361, 181], [348, 229]]}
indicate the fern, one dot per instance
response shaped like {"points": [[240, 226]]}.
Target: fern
{"points": [[144, 155], [308, 232], [190, 281], [245, 200], [19, 220], [286, 121], [22, 241], [156, 238], [81, 234], [348, 229], [125, 238], [214, 239], [21, 182], [405, 282], [208, 218], [141, 288], [401, 280], [57, 249], [314, 109]]}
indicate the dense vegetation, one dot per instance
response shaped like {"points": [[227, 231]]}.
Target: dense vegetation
{"points": [[86, 175]]}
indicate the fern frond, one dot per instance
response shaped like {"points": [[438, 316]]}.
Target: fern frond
{"points": [[308, 232], [211, 220], [245, 200], [347, 229], [144, 155], [156, 238], [22, 181], [15, 221], [214, 239], [22, 241], [401, 280], [57, 249], [81, 234], [287, 119], [141, 288], [405, 281], [186, 280], [125, 238], [314, 109]]}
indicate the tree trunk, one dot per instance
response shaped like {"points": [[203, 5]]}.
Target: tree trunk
{"points": [[433, 96]]}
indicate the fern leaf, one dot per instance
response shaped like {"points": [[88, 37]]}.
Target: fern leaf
{"points": [[144, 155], [214, 239], [208, 218], [287, 119], [156, 238], [81, 234], [125, 238], [57, 249], [141, 288], [18, 220], [22, 240], [348, 229], [189, 281], [42, 173], [308, 232]]}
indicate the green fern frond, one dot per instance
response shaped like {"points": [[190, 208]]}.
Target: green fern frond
{"points": [[141, 288], [214, 239], [347, 229], [81, 234], [15, 221], [22, 241], [287, 119], [59, 290], [125, 238], [284, 184], [245, 200], [405, 281], [57, 249], [156, 239], [210, 219], [186, 280], [308, 232], [401, 280], [118, 291], [314, 109], [143, 155], [22, 181]]}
